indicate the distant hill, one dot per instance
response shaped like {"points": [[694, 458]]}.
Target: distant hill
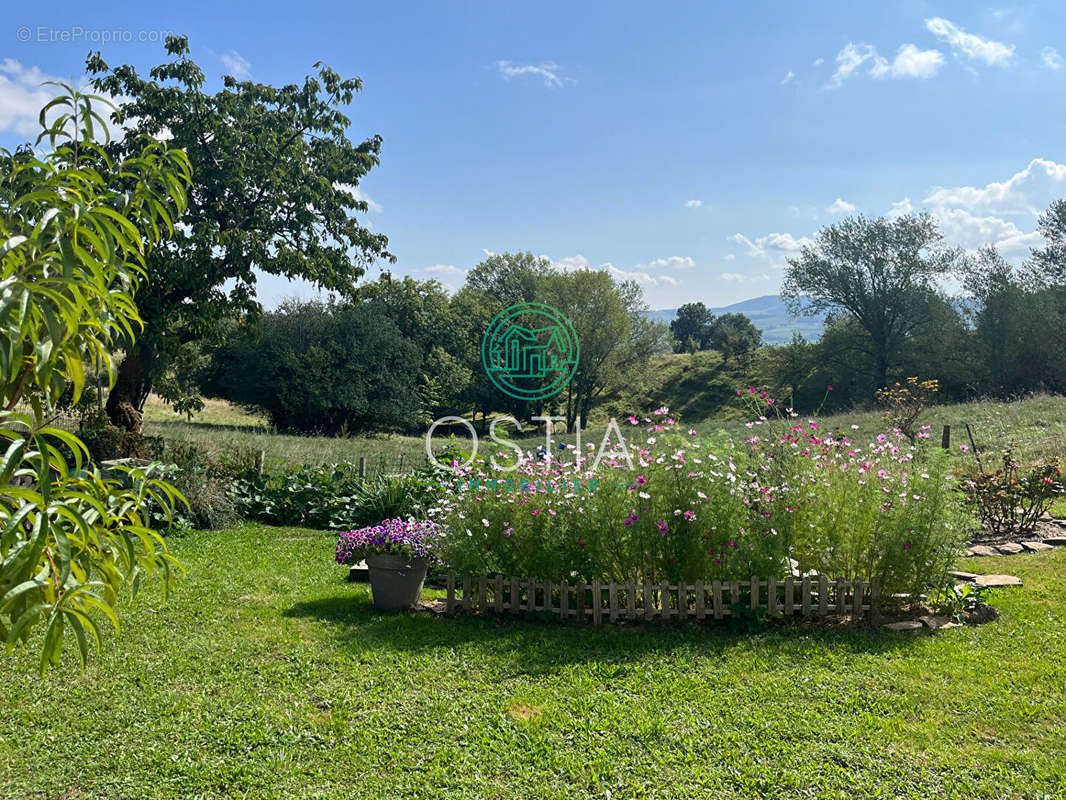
{"points": [[767, 312]]}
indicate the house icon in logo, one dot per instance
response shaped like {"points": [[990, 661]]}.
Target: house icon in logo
{"points": [[530, 351]]}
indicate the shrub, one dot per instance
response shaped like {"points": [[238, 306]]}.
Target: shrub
{"points": [[107, 442], [1010, 500], [326, 497], [322, 368], [691, 509], [904, 403]]}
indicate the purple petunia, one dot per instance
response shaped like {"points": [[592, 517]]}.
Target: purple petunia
{"points": [[412, 539]]}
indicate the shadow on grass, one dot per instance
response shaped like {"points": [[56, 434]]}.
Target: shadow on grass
{"points": [[208, 427], [546, 645]]}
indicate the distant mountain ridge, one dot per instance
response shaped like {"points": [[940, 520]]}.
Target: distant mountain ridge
{"points": [[769, 314]]}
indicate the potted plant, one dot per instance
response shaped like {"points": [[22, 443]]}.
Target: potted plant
{"points": [[397, 554]]}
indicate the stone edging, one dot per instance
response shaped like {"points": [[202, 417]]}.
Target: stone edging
{"points": [[1013, 548]]}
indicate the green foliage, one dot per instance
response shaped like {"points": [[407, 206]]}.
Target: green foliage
{"points": [[74, 228], [903, 404], [691, 327], [323, 368], [880, 272], [277, 180], [274, 650], [1010, 500], [330, 497], [734, 336], [703, 509]]}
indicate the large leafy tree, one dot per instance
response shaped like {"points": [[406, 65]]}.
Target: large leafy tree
{"points": [[734, 336], [691, 328], [615, 337], [75, 230], [881, 272], [276, 179], [324, 368]]}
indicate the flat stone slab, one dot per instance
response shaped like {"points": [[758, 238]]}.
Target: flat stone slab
{"points": [[905, 625], [959, 575], [1009, 548], [997, 580], [939, 623], [982, 550], [1056, 541], [1035, 547]]}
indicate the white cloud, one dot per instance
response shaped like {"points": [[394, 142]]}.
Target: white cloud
{"points": [[970, 44], [548, 71], [1051, 58], [640, 273], [840, 206], [733, 276], [774, 246], [788, 77], [1027, 192], [358, 194], [693, 203], [910, 62], [818, 62], [670, 262], [639, 276], [899, 209], [850, 58], [237, 65], [570, 263], [445, 269], [961, 228], [22, 96], [974, 216]]}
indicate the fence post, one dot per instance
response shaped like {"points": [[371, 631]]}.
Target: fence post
{"points": [[362, 467], [945, 440], [401, 462], [260, 457]]}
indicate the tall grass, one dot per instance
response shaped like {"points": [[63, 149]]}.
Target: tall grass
{"points": [[1037, 425]]}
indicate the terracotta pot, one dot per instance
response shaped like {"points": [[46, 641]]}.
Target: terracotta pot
{"points": [[395, 581]]}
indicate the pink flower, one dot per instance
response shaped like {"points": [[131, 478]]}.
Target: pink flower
{"points": [[964, 448], [641, 480], [535, 511]]}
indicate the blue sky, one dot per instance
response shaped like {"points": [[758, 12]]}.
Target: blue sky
{"points": [[690, 146]]}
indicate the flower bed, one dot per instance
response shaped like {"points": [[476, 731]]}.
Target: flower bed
{"points": [[701, 509]]}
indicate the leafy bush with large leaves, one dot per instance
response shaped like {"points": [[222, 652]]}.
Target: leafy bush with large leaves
{"points": [[74, 230]]}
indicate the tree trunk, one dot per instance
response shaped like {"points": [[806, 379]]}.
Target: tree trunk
{"points": [[125, 402]]}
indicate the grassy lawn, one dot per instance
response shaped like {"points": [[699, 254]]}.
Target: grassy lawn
{"points": [[266, 675], [1037, 425]]}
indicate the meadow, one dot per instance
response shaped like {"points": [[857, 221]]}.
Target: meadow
{"points": [[1037, 425], [266, 675]]}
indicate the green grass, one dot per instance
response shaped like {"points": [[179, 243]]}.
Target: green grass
{"points": [[1037, 425], [267, 676]]}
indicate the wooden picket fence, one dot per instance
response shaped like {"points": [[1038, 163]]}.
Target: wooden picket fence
{"points": [[662, 601]]}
